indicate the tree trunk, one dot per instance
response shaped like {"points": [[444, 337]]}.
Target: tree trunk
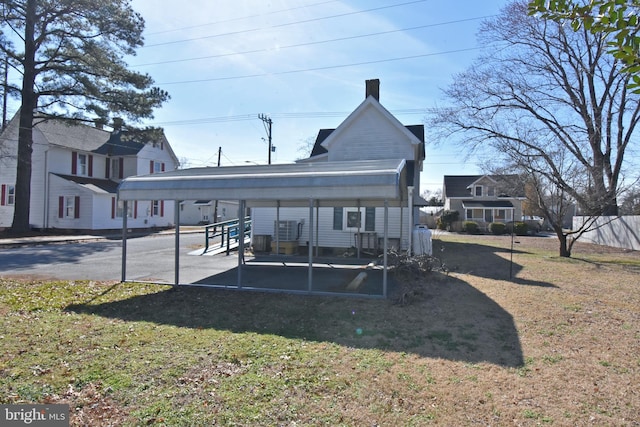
{"points": [[25, 133], [564, 249]]}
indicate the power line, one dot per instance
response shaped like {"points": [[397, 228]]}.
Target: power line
{"points": [[328, 67], [274, 12], [306, 21], [246, 52]]}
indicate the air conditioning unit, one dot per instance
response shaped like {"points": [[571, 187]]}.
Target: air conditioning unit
{"points": [[285, 231]]}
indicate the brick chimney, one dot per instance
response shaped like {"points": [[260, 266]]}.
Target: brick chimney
{"points": [[372, 87]]}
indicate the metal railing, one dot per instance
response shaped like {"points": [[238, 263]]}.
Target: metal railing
{"points": [[227, 231]]}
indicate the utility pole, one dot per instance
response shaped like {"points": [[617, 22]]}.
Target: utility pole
{"points": [[267, 126], [215, 206]]}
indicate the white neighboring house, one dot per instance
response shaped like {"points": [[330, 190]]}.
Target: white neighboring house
{"points": [[370, 132], [76, 170], [202, 212]]}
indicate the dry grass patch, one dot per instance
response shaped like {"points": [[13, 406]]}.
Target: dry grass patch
{"points": [[537, 341]]}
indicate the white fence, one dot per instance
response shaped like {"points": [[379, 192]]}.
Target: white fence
{"points": [[619, 232]]}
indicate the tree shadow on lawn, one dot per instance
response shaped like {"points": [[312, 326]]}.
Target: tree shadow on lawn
{"points": [[485, 261], [450, 320]]}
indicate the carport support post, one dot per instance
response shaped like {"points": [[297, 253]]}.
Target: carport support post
{"points": [[124, 242], [310, 279], [176, 215], [241, 240], [385, 248]]}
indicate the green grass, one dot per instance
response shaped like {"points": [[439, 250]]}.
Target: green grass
{"points": [[475, 346]]}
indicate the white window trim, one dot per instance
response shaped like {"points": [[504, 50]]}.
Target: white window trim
{"points": [[83, 161]]}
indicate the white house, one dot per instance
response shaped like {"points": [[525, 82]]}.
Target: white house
{"points": [[76, 170], [370, 132], [197, 212]]}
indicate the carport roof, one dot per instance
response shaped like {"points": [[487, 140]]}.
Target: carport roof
{"points": [[370, 182]]}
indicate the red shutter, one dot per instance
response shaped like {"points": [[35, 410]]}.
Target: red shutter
{"points": [[74, 163], [107, 169], [163, 167], [161, 207], [90, 165], [60, 207], [135, 209], [150, 166], [121, 168], [76, 207], [113, 207], [3, 194]]}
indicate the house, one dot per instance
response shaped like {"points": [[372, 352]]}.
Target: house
{"points": [[484, 198], [369, 133], [76, 170], [197, 212]]}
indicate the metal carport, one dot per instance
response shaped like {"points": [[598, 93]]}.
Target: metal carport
{"points": [[368, 183]]}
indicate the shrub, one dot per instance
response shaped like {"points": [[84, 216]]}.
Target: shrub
{"points": [[497, 228], [447, 218], [470, 227], [520, 228]]}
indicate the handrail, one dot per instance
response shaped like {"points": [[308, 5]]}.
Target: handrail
{"points": [[228, 230]]}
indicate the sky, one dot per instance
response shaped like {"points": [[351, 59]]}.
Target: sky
{"points": [[303, 63]]}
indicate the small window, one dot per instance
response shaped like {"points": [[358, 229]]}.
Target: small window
{"points": [[115, 168], [155, 208], [158, 167], [370, 219], [478, 190], [8, 196], [120, 209], [82, 164]]}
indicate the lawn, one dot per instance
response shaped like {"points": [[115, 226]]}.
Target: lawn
{"points": [[522, 338]]}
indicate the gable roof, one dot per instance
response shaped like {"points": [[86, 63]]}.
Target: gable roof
{"points": [[458, 186], [415, 133], [75, 136], [94, 184]]}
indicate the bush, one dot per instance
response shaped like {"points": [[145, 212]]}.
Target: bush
{"points": [[447, 218], [470, 227], [497, 228], [518, 228]]}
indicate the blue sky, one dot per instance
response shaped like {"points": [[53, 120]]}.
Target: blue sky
{"points": [[304, 63]]}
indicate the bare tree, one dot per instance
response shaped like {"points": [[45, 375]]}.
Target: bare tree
{"points": [[550, 101]]}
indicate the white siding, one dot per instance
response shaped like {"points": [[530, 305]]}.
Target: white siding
{"points": [[8, 161], [264, 220], [371, 137]]}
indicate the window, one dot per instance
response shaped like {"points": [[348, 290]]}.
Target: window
{"points": [[156, 167], [155, 208], [8, 196], [69, 207], [116, 172], [353, 219], [478, 190], [82, 164], [120, 209]]}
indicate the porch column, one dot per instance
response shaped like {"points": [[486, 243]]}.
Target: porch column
{"points": [[124, 242], [410, 207], [276, 228]]}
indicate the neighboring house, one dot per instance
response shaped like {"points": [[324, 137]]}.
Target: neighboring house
{"points": [[198, 212], [76, 170], [484, 198], [370, 132]]}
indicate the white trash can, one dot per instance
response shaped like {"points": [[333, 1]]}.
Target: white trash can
{"points": [[421, 240]]}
